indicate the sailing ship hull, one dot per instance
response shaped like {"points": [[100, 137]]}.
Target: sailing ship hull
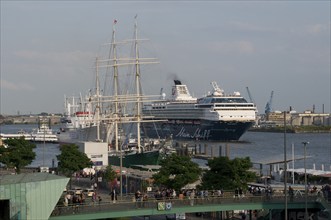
{"points": [[128, 160], [186, 130]]}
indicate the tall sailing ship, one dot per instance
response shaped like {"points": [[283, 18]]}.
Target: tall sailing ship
{"points": [[113, 113], [214, 117]]}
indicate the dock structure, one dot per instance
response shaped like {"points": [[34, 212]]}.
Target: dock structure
{"points": [[202, 150]]}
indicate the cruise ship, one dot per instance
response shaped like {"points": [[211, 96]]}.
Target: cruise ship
{"points": [[214, 117]]}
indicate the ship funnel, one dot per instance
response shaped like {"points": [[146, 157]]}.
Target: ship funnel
{"points": [[180, 92], [177, 82]]}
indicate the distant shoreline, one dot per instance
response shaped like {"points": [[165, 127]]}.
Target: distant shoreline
{"points": [[297, 129], [29, 119]]}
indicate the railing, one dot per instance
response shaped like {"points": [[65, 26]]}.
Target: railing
{"points": [[152, 203]]}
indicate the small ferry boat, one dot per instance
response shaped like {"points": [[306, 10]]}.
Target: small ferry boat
{"points": [[19, 134], [42, 134]]}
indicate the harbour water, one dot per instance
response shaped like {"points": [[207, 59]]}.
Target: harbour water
{"points": [[45, 152], [264, 146], [256, 145]]}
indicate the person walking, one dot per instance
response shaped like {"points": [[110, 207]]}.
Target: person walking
{"points": [[192, 196], [113, 195]]}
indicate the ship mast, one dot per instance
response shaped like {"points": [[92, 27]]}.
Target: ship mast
{"points": [[116, 92], [115, 62], [137, 83], [98, 99]]}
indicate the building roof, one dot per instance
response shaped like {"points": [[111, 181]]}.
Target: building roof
{"points": [[28, 177], [31, 195]]}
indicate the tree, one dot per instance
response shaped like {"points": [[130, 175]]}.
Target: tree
{"points": [[228, 174], [110, 175], [72, 160], [177, 171], [17, 153]]}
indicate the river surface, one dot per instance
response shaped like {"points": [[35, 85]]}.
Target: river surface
{"points": [[45, 153], [258, 146]]}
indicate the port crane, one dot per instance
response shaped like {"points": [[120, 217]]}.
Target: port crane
{"points": [[268, 106], [251, 98], [249, 95]]}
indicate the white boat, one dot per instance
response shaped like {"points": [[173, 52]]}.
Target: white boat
{"points": [[19, 134], [79, 121], [44, 133]]}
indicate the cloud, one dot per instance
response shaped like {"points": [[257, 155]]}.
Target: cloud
{"points": [[313, 29], [16, 86], [54, 57], [317, 28], [237, 25], [242, 47], [54, 63]]}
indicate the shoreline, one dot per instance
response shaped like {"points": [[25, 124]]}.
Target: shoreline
{"points": [[296, 130]]}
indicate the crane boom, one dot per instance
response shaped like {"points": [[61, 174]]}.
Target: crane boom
{"points": [[249, 95], [268, 106]]}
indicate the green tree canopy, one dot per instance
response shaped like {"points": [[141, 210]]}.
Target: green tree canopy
{"points": [[72, 160], [17, 152], [177, 171], [228, 174], [109, 174]]}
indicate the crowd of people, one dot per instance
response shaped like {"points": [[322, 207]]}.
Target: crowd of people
{"points": [[80, 199], [186, 193]]}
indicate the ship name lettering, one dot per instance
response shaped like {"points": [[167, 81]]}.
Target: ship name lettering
{"points": [[197, 134], [182, 133]]}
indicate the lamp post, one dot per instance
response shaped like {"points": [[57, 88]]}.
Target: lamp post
{"points": [[121, 177], [306, 188], [285, 166], [44, 146]]}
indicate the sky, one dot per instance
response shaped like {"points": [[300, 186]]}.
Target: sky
{"points": [[48, 49]]}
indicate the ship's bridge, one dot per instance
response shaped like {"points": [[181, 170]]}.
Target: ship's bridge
{"points": [[212, 100]]}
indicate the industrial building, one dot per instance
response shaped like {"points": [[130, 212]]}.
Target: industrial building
{"points": [[30, 195], [306, 118]]}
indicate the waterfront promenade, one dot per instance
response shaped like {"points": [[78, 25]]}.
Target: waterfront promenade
{"points": [[125, 206], [212, 204]]}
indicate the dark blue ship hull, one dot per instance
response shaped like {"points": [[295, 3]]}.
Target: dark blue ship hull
{"points": [[196, 130]]}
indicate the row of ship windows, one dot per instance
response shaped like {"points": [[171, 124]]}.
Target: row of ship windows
{"points": [[222, 100], [225, 109], [180, 114]]}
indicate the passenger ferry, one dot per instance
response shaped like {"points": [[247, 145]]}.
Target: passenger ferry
{"points": [[41, 134]]}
